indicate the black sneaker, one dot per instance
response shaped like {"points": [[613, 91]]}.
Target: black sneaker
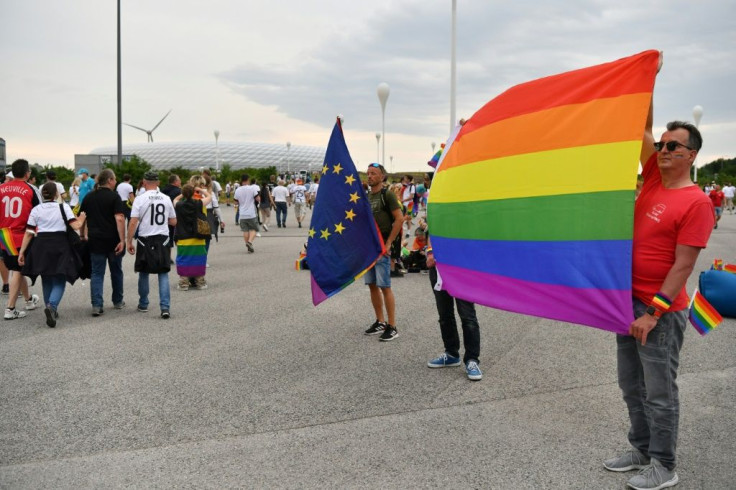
{"points": [[142, 309], [389, 334], [165, 314], [6, 288], [97, 311], [377, 327], [51, 316]]}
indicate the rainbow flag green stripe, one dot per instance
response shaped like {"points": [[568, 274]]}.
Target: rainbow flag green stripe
{"points": [[571, 217]]}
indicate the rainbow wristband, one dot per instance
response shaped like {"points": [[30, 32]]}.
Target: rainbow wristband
{"points": [[661, 302], [429, 250]]}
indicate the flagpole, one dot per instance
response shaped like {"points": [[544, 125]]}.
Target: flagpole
{"points": [[453, 67]]}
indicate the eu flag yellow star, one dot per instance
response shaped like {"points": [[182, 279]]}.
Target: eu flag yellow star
{"points": [[349, 214], [325, 234], [349, 179], [325, 169], [337, 168], [354, 197], [311, 233], [339, 228]]}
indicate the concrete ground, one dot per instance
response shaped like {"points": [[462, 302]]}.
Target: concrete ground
{"points": [[250, 386]]}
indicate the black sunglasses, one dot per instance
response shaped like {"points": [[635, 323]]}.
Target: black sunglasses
{"points": [[671, 145]]}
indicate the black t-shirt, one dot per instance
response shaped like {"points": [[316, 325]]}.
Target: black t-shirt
{"points": [[101, 207], [172, 191]]}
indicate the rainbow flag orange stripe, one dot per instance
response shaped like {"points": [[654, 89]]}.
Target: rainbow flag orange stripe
{"points": [[546, 229], [730, 268], [6, 241], [703, 316]]}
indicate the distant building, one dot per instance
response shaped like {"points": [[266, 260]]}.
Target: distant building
{"points": [[95, 163], [238, 155], [3, 160]]}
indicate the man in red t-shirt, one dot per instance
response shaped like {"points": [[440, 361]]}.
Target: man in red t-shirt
{"points": [[673, 220], [17, 198], [716, 196]]}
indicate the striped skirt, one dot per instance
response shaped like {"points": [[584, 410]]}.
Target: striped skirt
{"points": [[191, 257]]}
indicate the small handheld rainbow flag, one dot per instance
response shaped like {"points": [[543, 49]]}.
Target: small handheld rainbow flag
{"points": [[702, 314], [6, 241], [730, 268]]}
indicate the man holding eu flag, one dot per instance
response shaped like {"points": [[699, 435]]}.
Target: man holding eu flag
{"points": [[387, 213]]}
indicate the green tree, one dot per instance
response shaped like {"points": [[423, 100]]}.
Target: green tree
{"points": [[135, 166]]}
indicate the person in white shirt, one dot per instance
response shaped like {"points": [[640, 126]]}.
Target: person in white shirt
{"points": [[247, 196], [60, 192], [280, 195], [728, 192], [127, 194], [150, 217], [299, 197], [313, 192]]}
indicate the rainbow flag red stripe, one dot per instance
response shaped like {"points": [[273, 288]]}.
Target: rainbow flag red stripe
{"points": [[546, 226], [703, 316], [730, 268], [6, 241]]}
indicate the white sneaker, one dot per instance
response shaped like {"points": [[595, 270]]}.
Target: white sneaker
{"points": [[13, 314], [265, 227], [32, 303], [258, 234]]}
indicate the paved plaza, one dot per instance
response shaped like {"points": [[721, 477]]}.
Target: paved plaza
{"points": [[250, 386]]}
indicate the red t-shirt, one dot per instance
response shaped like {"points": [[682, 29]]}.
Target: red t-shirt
{"points": [[663, 219], [17, 198], [716, 197]]}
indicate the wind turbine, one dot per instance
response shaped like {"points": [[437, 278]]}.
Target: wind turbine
{"points": [[150, 133]]}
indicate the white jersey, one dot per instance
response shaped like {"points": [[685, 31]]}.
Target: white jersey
{"points": [[153, 209], [299, 193], [280, 193], [124, 190], [246, 195]]}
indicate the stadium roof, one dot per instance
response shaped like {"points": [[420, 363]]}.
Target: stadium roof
{"points": [[237, 155]]}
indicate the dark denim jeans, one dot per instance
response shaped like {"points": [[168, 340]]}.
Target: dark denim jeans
{"points": [[448, 326], [97, 281], [647, 376], [53, 289], [164, 294], [281, 209]]}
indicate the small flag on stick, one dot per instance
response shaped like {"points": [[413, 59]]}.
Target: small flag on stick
{"points": [[702, 314]]}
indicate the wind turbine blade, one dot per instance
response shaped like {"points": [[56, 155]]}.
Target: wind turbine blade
{"points": [[162, 120], [136, 127]]}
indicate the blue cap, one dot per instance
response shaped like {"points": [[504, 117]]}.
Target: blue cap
{"points": [[83, 171]]}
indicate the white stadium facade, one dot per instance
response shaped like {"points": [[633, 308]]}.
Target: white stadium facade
{"points": [[194, 156]]}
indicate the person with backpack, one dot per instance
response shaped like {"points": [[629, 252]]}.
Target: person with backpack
{"points": [[387, 213]]}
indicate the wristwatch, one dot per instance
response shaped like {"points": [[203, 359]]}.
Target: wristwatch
{"points": [[651, 310]]}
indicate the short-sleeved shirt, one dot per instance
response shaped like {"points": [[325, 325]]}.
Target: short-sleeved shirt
{"points": [[383, 217], [17, 199], [59, 191], [101, 206], [246, 195], [299, 193], [153, 209], [663, 219], [125, 189], [717, 198], [85, 187], [280, 193], [47, 218]]}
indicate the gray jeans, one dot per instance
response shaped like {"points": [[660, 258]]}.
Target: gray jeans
{"points": [[647, 376]]}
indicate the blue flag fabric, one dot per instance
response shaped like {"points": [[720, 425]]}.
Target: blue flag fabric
{"points": [[343, 237]]}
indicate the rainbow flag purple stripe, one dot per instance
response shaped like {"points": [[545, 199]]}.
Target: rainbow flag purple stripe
{"points": [[6, 241], [531, 208]]}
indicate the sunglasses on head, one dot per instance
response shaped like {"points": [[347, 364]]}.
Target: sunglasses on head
{"points": [[670, 145], [375, 165]]}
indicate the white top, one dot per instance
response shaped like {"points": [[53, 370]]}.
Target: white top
{"points": [[46, 217], [729, 191], [73, 195], [299, 193], [245, 195], [313, 190], [408, 195], [124, 189], [153, 209], [280, 193], [214, 203], [59, 192], [216, 187]]}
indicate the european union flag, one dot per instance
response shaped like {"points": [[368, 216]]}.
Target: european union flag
{"points": [[343, 237]]}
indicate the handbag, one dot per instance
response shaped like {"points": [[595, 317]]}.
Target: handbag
{"points": [[203, 224]]}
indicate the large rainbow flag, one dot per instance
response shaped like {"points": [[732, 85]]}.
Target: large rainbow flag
{"points": [[531, 209]]}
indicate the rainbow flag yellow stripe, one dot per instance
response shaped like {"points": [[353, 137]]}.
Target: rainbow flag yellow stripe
{"points": [[6, 241], [703, 316]]}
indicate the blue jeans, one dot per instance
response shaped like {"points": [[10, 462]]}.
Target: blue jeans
{"points": [[164, 295], [647, 376], [53, 289], [281, 213], [448, 325], [97, 281]]}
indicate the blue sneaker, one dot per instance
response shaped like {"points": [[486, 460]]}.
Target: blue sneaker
{"points": [[444, 360], [473, 371]]}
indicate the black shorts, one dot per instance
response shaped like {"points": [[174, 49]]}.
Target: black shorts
{"points": [[11, 261]]}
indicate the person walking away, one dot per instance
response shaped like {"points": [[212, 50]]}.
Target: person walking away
{"points": [[247, 196], [387, 213], [150, 218], [50, 254], [17, 199], [281, 202], [104, 230], [191, 252], [673, 220], [299, 198], [265, 205]]}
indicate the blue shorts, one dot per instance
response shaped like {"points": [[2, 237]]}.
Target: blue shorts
{"points": [[380, 274], [719, 210]]}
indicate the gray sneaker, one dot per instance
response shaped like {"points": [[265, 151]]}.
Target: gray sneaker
{"points": [[630, 460], [97, 311], [654, 477]]}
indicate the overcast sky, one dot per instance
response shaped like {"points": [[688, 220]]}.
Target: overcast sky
{"points": [[278, 71]]}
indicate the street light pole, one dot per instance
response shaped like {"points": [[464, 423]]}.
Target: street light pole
{"points": [[120, 100], [453, 67], [697, 116], [378, 147], [391, 159], [288, 160], [383, 90]]}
